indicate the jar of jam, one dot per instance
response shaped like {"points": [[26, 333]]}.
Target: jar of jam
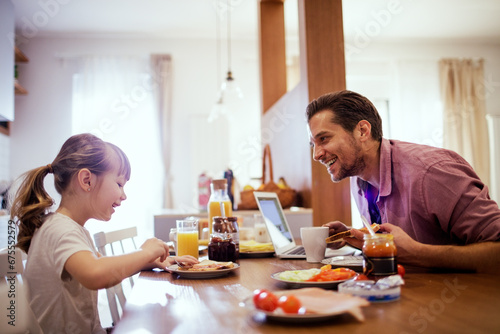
{"points": [[222, 247], [235, 232], [379, 255]]}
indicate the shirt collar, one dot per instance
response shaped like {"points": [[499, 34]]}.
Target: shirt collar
{"points": [[385, 168]]}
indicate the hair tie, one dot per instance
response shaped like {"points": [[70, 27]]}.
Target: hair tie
{"points": [[50, 168]]}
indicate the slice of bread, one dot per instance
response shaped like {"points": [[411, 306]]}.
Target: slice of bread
{"points": [[347, 234], [208, 265]]}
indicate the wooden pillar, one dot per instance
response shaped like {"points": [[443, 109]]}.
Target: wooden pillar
{"points": [[322, 70], [324, 37], [272, 52]]}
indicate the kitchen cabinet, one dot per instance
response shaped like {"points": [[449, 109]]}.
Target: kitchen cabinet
{"points": [[4, 127], [7, 62], [20, 58]]}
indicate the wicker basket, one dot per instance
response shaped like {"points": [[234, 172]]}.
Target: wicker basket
{"points": [[286, 196]]}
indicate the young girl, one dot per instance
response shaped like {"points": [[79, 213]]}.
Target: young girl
{"points": [[63, 269]]}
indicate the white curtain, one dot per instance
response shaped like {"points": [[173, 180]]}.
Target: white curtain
{"points": [[113, 98], [161, 68], [465, 126]]}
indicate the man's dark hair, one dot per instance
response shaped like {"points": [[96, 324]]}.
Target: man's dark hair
{"points": [[348, 108]]}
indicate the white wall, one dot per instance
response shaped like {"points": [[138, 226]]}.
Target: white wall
{"points": [[43, 118]]}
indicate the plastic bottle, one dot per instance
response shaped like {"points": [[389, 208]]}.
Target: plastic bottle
{"points": [[203, 192], [218, 195], [228, 175]]}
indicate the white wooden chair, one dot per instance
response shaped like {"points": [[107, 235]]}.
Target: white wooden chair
{"points": [[108, 240], [14, 291]]}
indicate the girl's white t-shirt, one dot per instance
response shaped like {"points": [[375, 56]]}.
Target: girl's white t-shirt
{"points": [[60, 303]]}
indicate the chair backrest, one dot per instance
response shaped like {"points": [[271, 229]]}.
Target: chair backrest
{"points": [[14, 295], [105, 241]]}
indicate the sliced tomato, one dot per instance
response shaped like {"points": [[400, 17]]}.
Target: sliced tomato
{"points": [[327, 274]]}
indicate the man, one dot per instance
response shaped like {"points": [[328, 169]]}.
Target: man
{"points": [[429, 198]]}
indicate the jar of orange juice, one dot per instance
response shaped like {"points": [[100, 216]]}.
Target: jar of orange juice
{"points": [[218, 198], [379, 255]]}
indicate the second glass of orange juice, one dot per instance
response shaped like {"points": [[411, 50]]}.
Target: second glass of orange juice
{"points": [[187, 237]]}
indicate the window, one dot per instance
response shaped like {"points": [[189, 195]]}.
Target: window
{"points": [[112, 98]]}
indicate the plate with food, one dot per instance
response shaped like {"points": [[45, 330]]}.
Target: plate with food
{"points": [[204, 269], [354, 262], [254, 249], [324, 277], [304, 305]]}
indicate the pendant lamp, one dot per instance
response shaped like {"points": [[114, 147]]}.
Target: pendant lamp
{"points": [[229, 96]]}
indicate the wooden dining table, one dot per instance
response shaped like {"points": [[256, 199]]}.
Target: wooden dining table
{"points": [[431, 301]]}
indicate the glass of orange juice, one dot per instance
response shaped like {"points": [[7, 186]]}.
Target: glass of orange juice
{"points": [[187, 237]]}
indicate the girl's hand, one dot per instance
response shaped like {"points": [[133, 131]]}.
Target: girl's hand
{"points": [[157, 248], [184, 258], [170, 261]]}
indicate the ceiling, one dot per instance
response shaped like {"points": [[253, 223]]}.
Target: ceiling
{"points": [[466, 20]]}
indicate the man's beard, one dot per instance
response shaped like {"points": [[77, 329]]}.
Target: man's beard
{"points": [[352, 169]]}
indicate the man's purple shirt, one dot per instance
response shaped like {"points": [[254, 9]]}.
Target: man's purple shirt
{"points": [[433, 194]]}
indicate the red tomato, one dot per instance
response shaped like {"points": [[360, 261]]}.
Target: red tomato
{"points": [[266, 301], [256, 294], [289, 304], [401, 270], [361, 277]]}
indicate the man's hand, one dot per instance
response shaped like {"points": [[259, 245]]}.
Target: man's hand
{"points": [[334, 228], [483, 257], [406, 246]]}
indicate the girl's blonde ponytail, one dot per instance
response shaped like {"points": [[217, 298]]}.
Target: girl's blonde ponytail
{"points": [[30, 205]]}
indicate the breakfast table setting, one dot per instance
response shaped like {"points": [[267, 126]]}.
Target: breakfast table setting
{"points": [[267, 280], [222, 301]]}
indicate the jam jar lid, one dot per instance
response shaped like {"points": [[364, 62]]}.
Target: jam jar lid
{"points": [[224, 224]]}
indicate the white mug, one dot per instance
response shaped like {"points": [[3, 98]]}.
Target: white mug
{"points": [[313, 240], [259, 229], [260, 233]]}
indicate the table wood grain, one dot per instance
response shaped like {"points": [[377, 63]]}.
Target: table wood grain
{"points": [[431, 302]]}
